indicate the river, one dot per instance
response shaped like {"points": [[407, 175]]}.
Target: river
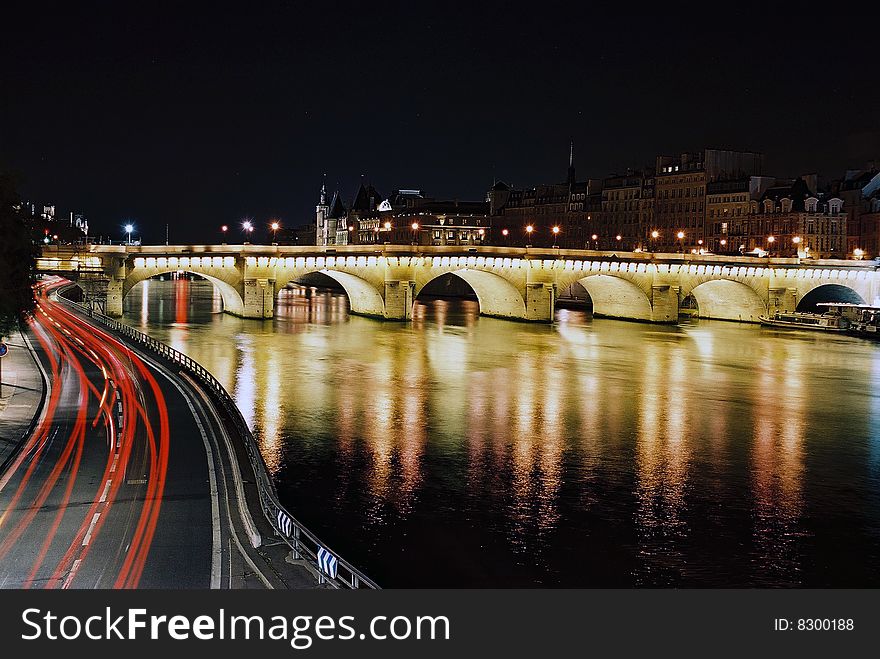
{"points": [[458, 450]]}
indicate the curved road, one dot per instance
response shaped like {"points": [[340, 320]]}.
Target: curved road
{"points": [[123, 483]]}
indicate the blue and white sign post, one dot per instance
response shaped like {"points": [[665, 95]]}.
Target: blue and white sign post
{"points": [[4, 349], [327, 563]]}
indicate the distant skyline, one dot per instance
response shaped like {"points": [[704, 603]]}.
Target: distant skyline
{"points": [[198, 118]]}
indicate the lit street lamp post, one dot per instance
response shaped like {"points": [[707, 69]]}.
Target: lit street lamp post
{"points": [[505, 233], [529, 230], [770, 241], [247, 226], [274, 226], [223, 230], [555, 235], [595, 239], [128, 229], [654, 236], [415, 229], [680, 236]]}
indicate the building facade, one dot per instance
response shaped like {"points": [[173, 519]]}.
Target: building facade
{"points": [[565, 214], [680, 193], [627, 213], [405, 217], [792, 220]]}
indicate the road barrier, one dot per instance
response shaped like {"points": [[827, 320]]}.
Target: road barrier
{"points": [[304, 543]]}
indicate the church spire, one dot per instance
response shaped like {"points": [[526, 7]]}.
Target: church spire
{"points": [[323, 199], [571, 164]]}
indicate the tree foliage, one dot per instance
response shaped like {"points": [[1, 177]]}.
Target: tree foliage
{"points": [[18, 254]]}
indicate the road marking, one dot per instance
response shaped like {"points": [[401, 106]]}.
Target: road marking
{"points": [[113, 466], [103, 498], [70, 576], [216, 542], [88, 537]]}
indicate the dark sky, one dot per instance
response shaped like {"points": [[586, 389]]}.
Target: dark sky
{"points": [[199, 117]]}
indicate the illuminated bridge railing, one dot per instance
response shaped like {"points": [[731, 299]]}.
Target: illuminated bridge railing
{"points": [[303, 542]]}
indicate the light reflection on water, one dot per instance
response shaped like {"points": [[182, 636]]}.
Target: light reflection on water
{"points": [[459, 450]]}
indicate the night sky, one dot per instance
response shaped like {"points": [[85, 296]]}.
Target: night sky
{"points": [[200, 117]]}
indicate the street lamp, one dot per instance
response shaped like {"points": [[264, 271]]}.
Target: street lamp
{"points": [[722, 242], [529, 230], [274, 226], [770, 241], [555, 234], [680, 236], [247, 226], [797, 242], [128, 229], [654, 236], [858, 253], [223, 230], [415, 228], [595, 240]]}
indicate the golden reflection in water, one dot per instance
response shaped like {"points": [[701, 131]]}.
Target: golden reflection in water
{"points": [[145, 302], [272, 385], [245, 391], [662, 462], [216, 300], [181, 301], [777, 463]]}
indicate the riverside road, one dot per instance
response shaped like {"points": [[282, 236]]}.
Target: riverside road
{"points": [[123, 482]]}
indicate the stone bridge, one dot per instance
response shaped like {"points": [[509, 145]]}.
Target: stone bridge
{"points": [[516, 283]]}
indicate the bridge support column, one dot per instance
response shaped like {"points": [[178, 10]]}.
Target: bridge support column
{"points": [[399, 299], [664, 304], [259, 298], [782, 299], [540, 301], [113, 303]]}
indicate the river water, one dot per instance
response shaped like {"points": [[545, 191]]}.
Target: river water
{"points": [[456, 450]]}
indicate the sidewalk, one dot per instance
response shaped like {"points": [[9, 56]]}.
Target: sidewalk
{"points": [[21, 395]]}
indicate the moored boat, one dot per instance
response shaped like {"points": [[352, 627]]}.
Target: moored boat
{"points": [[863, 319], [830, 321]]}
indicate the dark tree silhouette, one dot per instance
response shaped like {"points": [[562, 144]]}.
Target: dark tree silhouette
{"points": [[18, 255]]}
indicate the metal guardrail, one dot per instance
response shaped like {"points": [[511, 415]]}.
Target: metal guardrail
{"points": [[334, 571]]}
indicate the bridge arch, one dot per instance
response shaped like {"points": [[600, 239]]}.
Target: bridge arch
{"points": [[495, 294], [828, 293], [727, 299], [616, 297], [232, 300], [363, 298]]}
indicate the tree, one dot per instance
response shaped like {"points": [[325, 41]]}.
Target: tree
{"points": [[18, 254]]}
